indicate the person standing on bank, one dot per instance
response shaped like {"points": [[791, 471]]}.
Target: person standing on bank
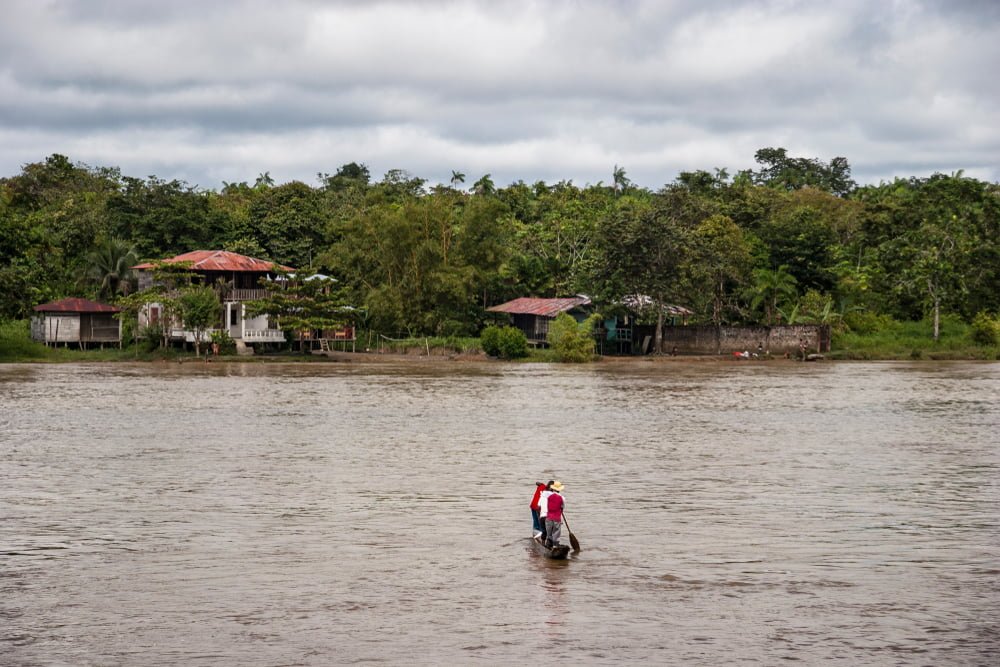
{"points": [[536, 524], [553, 515]]}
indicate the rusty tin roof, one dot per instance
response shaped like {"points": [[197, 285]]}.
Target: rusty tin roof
{"points": [[75, 305], [541, 307], [220, 260]]}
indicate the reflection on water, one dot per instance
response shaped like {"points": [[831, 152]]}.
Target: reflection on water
{"points": [[315, 514]]}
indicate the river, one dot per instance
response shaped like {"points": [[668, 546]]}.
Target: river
{"points": [[729, 513]]}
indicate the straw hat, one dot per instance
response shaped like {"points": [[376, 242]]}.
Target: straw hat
{"points": [[557, 487]]}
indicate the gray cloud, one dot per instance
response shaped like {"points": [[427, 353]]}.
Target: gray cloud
{"points": [[522, 90]]}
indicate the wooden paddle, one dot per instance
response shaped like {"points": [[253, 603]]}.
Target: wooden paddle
{"points": [[575, 543]]}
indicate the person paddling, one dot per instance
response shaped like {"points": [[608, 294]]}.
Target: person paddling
{"points": [[553, 515], [543, 508], [536, 524]]}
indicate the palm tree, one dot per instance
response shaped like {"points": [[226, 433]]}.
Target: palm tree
{"points": [[621, 181], [109, 266], [456, 178], [484, 186], [772, 287]]}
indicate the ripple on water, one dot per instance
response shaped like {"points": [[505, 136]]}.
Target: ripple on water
{"points": [[327, 513]]}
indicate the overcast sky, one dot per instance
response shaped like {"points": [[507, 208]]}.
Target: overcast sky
{"points": [[221, 91]]}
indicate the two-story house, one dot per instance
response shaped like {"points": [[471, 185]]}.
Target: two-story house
{"points": [[239, 279]]}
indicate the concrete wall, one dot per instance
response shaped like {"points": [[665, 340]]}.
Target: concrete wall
{"points": [[775, 340], [56, 328]]}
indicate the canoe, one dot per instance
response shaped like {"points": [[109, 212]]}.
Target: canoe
{"points": [[560, 552]]}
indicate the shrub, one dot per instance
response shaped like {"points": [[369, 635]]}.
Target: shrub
{"points": [[985, 329], [572, 341], [225, 342], [513, 343], [151, 337], [489, 340], [504, 342], [865, 322]]}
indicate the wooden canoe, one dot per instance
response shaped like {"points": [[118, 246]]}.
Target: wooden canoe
{"points": [[560, 552]]}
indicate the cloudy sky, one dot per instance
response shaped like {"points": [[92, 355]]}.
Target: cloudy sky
{"points": [[551, 89]]}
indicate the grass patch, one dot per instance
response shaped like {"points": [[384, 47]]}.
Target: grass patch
{"points": [[433, 344], [16, 344], [912, 340]]}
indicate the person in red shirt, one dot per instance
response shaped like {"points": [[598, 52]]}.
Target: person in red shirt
{"points": [[536, 524], [553, 517]]}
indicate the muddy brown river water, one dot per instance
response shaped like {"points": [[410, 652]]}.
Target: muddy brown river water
{"points": [[316, 514]]}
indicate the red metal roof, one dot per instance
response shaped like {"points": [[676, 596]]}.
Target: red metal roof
{"points": [[74, 305], [542, 307], [220, 260]]}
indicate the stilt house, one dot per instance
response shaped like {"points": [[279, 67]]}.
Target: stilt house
{"points": [[77, 322]]}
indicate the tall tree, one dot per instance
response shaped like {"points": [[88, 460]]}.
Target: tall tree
{"points": [[648, 248], [484, 187], [289, 222], [304, 303], [109, 267], [723, 257], [619, 180], [200, 310], [771, 289], [164, 218], [780, 170]]}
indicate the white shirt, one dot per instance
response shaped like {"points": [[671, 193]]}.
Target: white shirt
{"points": [[543, 503]]}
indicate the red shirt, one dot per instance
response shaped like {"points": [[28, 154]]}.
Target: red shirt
{"points": [[555, 507], [534, 498]]}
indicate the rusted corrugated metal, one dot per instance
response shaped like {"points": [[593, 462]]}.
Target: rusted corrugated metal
{"points": [[642, 302], [540, 307], [74, 305], [220, 260]]}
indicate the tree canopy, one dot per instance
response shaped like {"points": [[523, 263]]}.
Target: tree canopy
{"points": [[795, 235]]}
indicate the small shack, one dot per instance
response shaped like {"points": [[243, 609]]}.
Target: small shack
{"points": [[532, 316], [76, 321], [630, 325]]}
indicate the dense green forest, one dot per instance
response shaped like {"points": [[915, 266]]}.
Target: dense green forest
{"points": [[794, 240]]}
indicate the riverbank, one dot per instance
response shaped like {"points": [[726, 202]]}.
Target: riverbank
{"points": [[910, 341]]}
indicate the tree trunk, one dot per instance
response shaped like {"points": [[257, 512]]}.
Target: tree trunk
{"points": [[937, 319], [658, 338]]}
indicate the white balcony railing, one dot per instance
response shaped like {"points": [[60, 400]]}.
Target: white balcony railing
{"points": [[249, 335], [264, 336], [246, 294]]}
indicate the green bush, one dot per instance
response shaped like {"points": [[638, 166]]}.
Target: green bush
{"points": [[513, 343], [572, 341], [865, 322], [453, 329], [489, 340], [225, 342], [504, 342], [985, 329], [151, 337]]}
